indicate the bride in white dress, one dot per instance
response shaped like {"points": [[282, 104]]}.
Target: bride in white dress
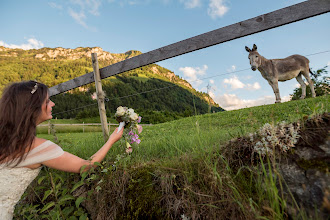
{"points": [[23, 106]]}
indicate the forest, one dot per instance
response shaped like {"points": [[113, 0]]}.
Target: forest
{"points": [[155, 92]]}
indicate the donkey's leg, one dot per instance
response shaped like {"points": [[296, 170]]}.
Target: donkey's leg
{"points": [[303, 86], [310, 82], [274, 85]]}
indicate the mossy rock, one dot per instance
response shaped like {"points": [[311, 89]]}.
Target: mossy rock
{"points": [[320, 165]]}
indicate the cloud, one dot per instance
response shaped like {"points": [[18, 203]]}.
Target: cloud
{"points": [[217, 8], [123, 3], [191, 3], [254, 86], [78, 17], [91, 6], [232, 68], [234, 82], [192, 73], [54, 5], [212, 94], [232, 102], [31, 44], [328, 64], [211, 81], [80, 9], [247, 77]]}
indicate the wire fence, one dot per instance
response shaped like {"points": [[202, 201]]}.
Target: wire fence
{"points": [[167, 87]]}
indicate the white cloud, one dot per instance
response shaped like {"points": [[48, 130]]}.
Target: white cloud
{"points": [[247, 77], [234, 82], [191, 74], [92, 6], [196, 84], [328, 64], [254, 86], [217, 8], [79, 9], [211, 81], [232, 102], [191, 3], [54, 5], [297, 85], [212, 94], [232, 68], [78, 17], [31, 44], [123, 3]]}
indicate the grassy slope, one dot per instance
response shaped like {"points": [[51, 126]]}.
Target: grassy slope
{"points": [[199, 133], [172, 171]]}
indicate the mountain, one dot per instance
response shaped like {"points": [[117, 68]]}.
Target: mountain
{"points": [[56, 65]]}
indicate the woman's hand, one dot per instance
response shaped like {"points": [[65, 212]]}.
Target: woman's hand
{"points": [[114, 137]]}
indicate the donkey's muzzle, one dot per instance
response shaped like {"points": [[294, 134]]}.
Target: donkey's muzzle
{"points": [[254, 68]]}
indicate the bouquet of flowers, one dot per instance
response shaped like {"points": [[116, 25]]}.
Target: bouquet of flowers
{"points": [[128, 119]]}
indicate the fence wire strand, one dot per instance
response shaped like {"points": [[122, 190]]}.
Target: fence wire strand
{"points": [[167, 87]]}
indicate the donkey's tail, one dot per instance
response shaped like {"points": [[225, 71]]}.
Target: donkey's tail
{"points": [[312, 72]]}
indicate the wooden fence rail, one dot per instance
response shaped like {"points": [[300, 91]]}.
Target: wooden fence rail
{"points": [[260, 23]]}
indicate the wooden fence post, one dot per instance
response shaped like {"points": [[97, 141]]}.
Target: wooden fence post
{"points": [[100, 97]]}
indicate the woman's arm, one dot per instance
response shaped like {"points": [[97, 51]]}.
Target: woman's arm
{"points": [[71, 163]]}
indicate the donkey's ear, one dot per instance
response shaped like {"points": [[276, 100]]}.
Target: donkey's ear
{"points": [[254, 47], [247, 49]]}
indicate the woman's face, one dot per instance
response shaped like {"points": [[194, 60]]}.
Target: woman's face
{"points": [[46, 110]]}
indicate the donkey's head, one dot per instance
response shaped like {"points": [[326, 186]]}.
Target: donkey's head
{"points": [[254, 57]]}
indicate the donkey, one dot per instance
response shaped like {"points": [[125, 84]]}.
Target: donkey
{"points": [[275, 70]]}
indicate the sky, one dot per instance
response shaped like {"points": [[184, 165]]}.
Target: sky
{"points": [[118, 26]]}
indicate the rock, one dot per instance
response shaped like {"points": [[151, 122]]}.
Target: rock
{"points": [[306, 173]]}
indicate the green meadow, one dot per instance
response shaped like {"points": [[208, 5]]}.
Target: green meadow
{"points": [[201, 133], [178, 171]]}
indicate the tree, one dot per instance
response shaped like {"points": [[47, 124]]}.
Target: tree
{"points": [[321, 85]]}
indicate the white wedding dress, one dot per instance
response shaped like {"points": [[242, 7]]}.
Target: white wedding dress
{"points": [[15, 180]]}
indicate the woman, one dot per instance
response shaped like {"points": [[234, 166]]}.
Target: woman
{"points": [[23, 106]]}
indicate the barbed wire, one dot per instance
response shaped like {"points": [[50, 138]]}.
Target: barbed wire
{"points": [[312, 54], [167, 87], [153, 90]]}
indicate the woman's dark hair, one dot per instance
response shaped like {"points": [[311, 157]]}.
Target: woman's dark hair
{"points": [[20, 107]]}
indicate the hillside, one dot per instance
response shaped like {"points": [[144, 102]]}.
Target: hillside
{"points": [[200, 167], [56, 65]]}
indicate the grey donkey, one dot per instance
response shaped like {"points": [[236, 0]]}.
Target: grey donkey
{"points": [[275, 70]]}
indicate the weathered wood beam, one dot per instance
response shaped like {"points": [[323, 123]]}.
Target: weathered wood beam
{"points": [[100, 97], [260, 23]]}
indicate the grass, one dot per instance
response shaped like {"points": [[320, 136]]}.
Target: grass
{"points": [[179, 168], [201, 133]]}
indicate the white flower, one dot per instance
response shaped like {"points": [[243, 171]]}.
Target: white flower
{"points": [[130, 111], [120, 111], [134, 116]]}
